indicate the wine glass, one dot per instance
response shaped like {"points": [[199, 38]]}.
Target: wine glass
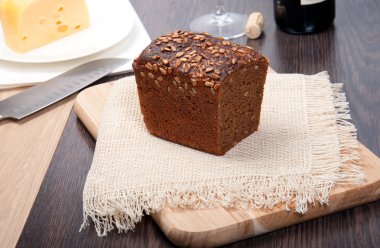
{"points": [[224, 24]]}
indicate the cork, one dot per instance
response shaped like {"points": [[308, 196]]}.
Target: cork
{"points": [[254, 26]]}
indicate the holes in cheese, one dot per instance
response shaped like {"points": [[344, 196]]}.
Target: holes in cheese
{"points": [[62, 29], [30, 24], [42, 20]]}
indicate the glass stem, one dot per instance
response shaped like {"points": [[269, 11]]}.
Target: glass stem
{"points": [[220, 11]]}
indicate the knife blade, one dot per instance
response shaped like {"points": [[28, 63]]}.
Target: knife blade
{"points": [[44, 94]]}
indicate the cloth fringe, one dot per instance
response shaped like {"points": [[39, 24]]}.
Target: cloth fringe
{"points": [[321, 117], [123, 209]]}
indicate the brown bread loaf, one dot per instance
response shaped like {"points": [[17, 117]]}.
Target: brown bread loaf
{"points": [[200, 91]]}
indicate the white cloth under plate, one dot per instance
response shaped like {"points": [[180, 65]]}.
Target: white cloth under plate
{"points": [[304, 146], [14, 74]]}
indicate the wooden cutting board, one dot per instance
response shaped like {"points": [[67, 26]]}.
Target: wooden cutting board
{"points": [[214, 227]]}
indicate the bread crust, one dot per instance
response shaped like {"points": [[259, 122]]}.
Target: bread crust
{"points": [[200, 91]]}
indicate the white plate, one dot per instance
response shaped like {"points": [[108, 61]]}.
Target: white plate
{"points": [[110, 22]]}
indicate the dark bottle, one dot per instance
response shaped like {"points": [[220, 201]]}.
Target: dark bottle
{"points": [[304, 16]]}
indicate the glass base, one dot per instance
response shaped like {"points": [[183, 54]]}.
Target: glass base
{"points": [[229, 25]]}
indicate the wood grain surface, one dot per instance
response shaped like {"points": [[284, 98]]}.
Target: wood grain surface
{"points": [[26, 149], [349, 51], [219, 226]]}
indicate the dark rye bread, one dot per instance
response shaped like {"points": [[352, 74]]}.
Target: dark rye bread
{"points": [[200, 91]]}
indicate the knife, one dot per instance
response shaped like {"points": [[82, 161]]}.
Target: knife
{"points": [[42, 95]]}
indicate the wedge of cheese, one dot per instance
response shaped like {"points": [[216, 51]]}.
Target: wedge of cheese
{"points": [[29, 24]]}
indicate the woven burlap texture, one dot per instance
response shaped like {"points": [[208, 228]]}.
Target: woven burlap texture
{"points": [[304, 146]]}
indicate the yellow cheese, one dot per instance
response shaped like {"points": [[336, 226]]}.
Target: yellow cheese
{"points": [[29, 24]]}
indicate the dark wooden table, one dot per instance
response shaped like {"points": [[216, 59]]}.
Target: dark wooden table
{"points": [[349, 51]]}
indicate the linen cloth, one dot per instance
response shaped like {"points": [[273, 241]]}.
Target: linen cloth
{"points": [[305, 145]]}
